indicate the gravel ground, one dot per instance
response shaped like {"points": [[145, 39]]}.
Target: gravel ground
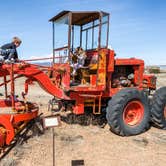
{"points": [[96, 146]]}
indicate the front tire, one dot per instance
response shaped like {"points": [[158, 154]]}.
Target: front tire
{"points": [[128, 112], [158, 111]]}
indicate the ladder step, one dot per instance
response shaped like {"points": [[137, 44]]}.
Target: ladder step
{"points": [[92, 96], [94, 102]]}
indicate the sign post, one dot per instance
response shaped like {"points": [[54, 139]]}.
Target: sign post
{"points": [[51, 122]]}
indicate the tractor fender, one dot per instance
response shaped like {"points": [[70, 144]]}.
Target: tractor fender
{"points": [[8, 127]]}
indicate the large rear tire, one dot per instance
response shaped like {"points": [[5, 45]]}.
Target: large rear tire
{"points": [[128, 112], [158, 111]]}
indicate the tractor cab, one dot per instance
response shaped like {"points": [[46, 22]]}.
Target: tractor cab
{"points": [[87, 31]]}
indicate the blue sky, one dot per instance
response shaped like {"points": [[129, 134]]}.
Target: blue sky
{"points": [[137, 27]]}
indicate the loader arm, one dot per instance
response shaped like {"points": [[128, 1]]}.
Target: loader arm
{"points": [[36, 74]]}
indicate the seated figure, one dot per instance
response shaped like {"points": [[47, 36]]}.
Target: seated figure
{"points": [[78, 59]]}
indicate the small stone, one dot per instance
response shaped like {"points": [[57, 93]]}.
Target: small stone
{"points": [[141, 141], [72, 139]]}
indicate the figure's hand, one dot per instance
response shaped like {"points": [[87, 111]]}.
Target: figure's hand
{"points": [[17, 60], [71, 55]]}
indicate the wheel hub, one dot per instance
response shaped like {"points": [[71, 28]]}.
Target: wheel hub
{"points": [[133, 113], [165, 112]]}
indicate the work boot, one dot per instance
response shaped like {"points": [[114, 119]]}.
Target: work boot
{"points": [[7, 61]]}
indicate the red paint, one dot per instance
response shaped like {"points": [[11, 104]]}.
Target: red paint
{"points": [[5, 122], [35, 73], [2, 137], [79, 105], [20, 111], [8, 121], [110, 61], [165, 112], [93, 80], [151, 81], [60, 79], [133, 113]]}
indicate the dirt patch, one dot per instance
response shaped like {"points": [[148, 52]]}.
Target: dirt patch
{"points": [[95, 145]]}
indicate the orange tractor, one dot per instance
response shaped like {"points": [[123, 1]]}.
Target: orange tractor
{"points": [[103, 83], [84, 77]]}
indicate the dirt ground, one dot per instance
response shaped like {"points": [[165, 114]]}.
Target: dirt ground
{"points": [[96, 146]]}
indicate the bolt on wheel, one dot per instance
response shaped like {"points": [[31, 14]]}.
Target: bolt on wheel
{"points": [[133, 113]]}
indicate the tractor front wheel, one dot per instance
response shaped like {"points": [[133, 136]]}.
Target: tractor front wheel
{"points": [[158, 111], [128, 112]]}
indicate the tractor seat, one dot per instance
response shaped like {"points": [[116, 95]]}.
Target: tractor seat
{"points": [[85, 74]]}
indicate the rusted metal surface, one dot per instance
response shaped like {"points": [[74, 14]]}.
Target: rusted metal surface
{"points": [[8, 121], [33, 72], [75, 18], [14, 113], [80, 18], [149, 81], [20, 136]]}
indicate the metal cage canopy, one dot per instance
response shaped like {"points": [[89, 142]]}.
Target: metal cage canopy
{"points": [[83, 29], [80, 17]]}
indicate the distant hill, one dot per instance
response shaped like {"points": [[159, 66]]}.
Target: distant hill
{"points": [[162, 67], [43, 63]]}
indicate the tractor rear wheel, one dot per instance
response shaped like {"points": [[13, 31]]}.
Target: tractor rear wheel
{"points": [[128, 112], [158, 111]]}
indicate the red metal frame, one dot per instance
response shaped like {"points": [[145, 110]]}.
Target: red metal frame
{"points": [[8, 121], [149, 81], [34, 73], [105, 89], [18, 114], [60, 80]]}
